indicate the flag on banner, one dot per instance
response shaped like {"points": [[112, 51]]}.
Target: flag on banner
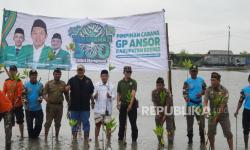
{"points": [[31, 41]]}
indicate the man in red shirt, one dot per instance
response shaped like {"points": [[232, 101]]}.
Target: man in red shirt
{"points": [[13, 90], [5, 108]]}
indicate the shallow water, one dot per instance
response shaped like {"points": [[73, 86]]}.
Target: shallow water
{"points": [[233, 81]]}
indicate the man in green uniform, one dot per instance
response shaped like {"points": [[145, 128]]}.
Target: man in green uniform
{"points": [[12, 53], [217, 96], [37, 54], [53, 95], [127, 104], [61, 57], [162, 99]]}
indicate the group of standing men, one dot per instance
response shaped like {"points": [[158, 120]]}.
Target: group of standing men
{"points": [[80, 94], [214, 108]]}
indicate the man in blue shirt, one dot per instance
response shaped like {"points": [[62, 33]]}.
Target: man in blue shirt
{"points": [[193, 89], [245, 96], [33, 108]]}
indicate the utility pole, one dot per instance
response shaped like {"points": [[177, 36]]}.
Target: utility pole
{"points": [[228, 47]]}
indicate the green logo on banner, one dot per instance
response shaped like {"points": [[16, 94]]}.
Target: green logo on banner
{"points": [[92, 41]]}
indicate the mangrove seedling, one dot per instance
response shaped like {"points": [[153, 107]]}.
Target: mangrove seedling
{"points": [[159, 130], [110, 126]]}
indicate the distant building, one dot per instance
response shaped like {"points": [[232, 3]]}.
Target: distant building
{"points": [[248, 60], [219, 52], [220, 58]]}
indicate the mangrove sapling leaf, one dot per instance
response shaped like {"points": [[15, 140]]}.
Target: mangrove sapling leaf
{"points": [[73, 122], [163, 95], [159, 130], [129, 96], [110, 126], [70, 47], [217, 101], [187, 63], [111, 67], [1, 67], [51, 55], [25, 73]]}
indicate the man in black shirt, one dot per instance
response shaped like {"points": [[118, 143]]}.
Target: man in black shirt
{"points": [[81, 89]]}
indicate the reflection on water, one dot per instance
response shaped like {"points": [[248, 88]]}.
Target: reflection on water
{"points": [[147, 140]]}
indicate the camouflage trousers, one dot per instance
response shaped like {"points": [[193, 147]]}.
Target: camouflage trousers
{"points": [[170, 125], [53, 112]]}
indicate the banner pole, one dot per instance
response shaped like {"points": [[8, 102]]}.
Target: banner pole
{"points": [[1, 46], [169, 74], [1, 42]]}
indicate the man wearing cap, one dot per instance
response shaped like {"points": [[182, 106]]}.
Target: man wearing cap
{"points": [[37, 53], [12, 88], [5, 113], [127, 104], [12, 53], [193, 89], [245, 96], [162, 100], [217, 96], [61, 57], [33, 109], [53, 94], [81, 89], [104, 95]]}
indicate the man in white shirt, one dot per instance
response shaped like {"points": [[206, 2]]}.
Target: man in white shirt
{"points": [[104, 95]]}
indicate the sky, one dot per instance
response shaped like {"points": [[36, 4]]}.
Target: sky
{"points": [[194, 25]]}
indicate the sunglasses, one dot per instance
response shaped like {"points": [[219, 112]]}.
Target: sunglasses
{"points": [[128, 71]]}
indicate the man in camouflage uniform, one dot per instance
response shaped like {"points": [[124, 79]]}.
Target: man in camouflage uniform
{"points": [[217, 96], [162, 99], [53, 94]]}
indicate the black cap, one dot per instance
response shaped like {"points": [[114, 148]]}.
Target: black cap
{"points": [[57, 70], [57, 36], [160, 80], [13, 68], [215, 75], [39, 23], [193, 68], [104, 72], [32, 72], [19, 30], [127, 68]]}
